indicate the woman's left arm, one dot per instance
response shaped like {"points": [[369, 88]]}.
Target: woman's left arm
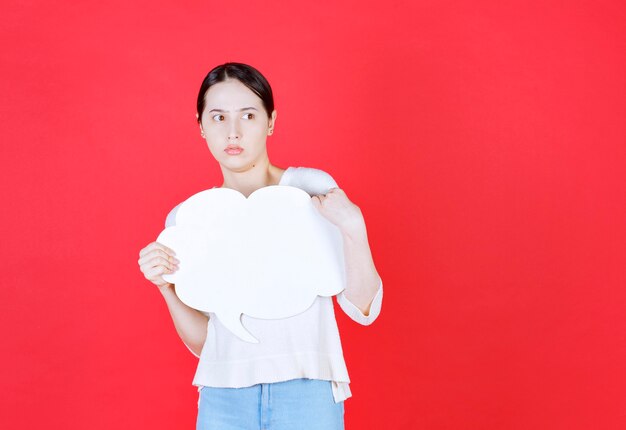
{"points": [[362, 279]]}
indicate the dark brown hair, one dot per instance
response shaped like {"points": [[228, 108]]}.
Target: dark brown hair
{"points": [[247, 75]]}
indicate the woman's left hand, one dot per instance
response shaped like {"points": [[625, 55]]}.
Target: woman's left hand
{"points": [[338, 209]]}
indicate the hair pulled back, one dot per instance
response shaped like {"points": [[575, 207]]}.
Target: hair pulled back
{"points": [[247, 75]]}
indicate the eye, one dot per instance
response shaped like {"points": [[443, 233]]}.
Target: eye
{"points": [[219, 117], [251, 115]]}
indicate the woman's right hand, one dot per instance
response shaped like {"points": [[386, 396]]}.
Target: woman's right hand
{"points": [[156, 260]]}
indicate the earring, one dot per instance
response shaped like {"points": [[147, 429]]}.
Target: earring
{"points": [[271, 131], [202, 134]]}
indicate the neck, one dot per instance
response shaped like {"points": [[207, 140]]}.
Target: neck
{"points": [[246, 181]]}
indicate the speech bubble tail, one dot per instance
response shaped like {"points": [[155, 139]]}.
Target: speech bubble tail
{"points": [[233, 323]]}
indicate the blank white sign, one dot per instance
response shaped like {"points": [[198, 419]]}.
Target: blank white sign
{"points": [[268, 256]]}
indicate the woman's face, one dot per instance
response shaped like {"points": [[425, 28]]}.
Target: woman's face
{"points": [[235, 125]]}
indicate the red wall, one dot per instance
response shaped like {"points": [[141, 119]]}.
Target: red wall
{"points": [[484, 142]]}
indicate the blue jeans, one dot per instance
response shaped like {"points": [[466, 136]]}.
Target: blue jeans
{"points": [[302, 404]]}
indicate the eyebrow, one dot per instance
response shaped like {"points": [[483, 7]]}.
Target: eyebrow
{"points": [[238, 110]]}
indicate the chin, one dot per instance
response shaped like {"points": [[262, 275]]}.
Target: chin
{"points": [[236, 165]]}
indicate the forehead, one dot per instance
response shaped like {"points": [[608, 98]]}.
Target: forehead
{"points": [[231, 94]]}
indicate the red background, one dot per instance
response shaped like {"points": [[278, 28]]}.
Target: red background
{"points": [[483, 140]]}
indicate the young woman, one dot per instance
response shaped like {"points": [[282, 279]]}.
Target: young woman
{"points": [[295, 377]]}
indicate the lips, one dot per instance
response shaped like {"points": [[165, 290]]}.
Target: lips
{"points": [[233, 149]]}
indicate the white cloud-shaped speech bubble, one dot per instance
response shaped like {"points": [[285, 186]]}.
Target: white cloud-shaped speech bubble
{"points": [[268, 256]]}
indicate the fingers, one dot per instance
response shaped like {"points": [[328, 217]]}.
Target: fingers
{"points": [[156, 245], [332, 193], [151, 261], [336, 190], [155, 275], [317, 201], [156, 260], [334, 196], [157, 253]]}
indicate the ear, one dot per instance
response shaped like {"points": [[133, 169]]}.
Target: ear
{"points": [[272, 121], [200, 125]]}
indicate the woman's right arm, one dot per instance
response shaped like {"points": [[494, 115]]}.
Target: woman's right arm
{"points": [[155, 260]]}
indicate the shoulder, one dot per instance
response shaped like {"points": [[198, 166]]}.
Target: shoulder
{"points": [[313, 181]]}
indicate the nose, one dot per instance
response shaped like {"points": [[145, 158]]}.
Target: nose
{"points": [[234, 131]]}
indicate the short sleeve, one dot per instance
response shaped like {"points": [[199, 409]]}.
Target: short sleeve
{"points": [[196, 355], [355, 313], [313, 181]]}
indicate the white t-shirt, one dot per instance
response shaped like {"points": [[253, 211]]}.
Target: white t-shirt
{"points": [[306, 345]]}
